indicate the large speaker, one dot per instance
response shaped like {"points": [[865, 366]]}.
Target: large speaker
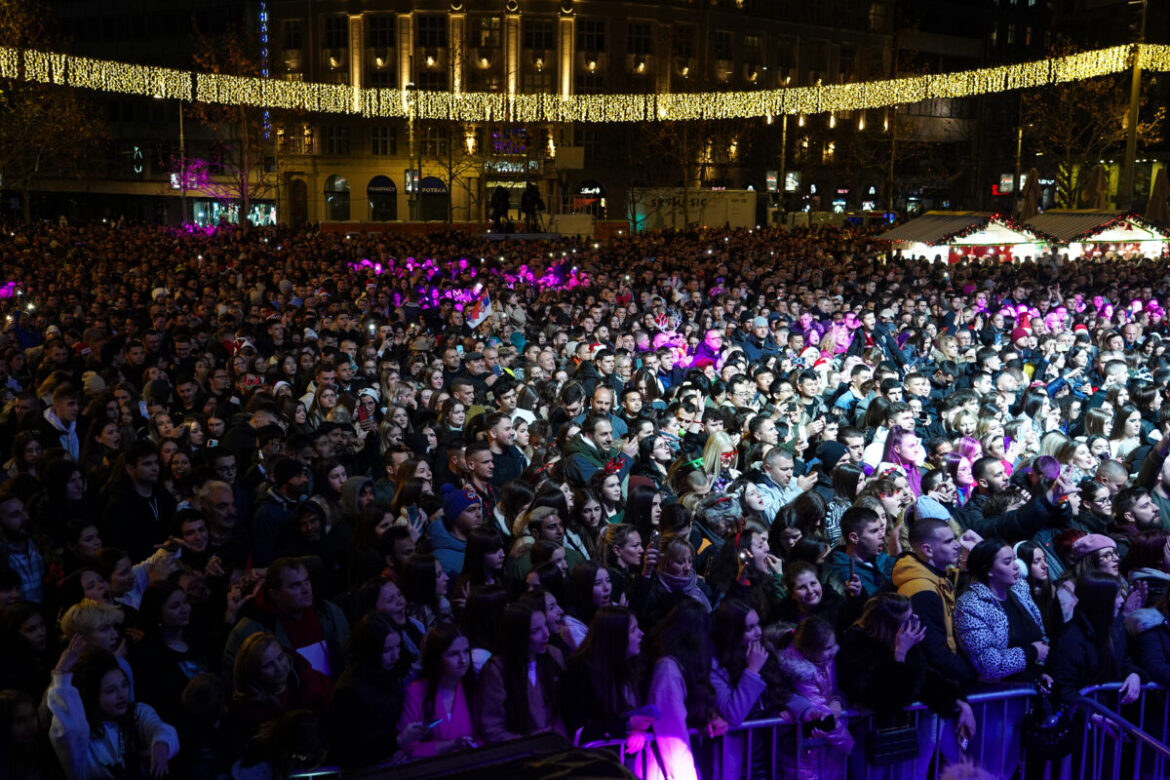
{"points": [[532, 758]]}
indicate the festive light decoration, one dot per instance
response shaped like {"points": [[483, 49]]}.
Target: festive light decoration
{"points": [[267, 93]]}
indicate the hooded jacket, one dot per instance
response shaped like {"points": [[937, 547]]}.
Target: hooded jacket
{"points": [[932, 595], [448, 550], [583, 459]]}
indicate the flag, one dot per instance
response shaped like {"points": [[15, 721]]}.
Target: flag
{"points": [[478, 310]]}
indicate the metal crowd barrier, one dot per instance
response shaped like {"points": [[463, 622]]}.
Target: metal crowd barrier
{"points": [[1128, 747]]}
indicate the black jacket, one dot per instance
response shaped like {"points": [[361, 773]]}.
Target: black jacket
{"points": [[363, 718], [1075, 662], [870, 677]]}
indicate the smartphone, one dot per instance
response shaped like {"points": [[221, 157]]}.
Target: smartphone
{"points": [[851, 572], [413, 513], [655, 539], [363, 413]]}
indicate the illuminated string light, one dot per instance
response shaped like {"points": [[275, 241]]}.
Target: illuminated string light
{"points": [[267, 93]]}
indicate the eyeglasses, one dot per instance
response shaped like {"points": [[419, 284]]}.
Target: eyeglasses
{"points": [[1109, 555]]}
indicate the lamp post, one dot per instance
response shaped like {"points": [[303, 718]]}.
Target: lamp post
{"points": [[182, 169], [1125, 188]]}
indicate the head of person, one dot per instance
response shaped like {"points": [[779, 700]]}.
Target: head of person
{"points": [[677, 556], [992, 562], [446, 657], [613, 642], [1099, 599], [374, 645], [1135, 507], [935, 543], [96, 622], [803, 585], [287, 587], [104, 689], [883, 616], [990, 475], [1095, 553], [262, 667], [862, 530]]}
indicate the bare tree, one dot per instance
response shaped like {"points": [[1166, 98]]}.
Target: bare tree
{"points": [[1080, 123], [240, 171], [44, 130]]}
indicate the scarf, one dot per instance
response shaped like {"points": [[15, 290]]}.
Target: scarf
{"points": [[688, 585]]}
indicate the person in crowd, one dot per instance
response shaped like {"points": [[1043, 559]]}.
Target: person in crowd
{"points": [[437, 703], [367, 700], [517, 691], [98, 730], [258, 369]]}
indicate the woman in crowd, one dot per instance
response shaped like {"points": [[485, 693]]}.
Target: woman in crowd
{"points": [[367, 700], [98, 730], [517, 691], [589, 590], [625, 556], [996, 622], [601, 683], [437, 703], [169, 655]]}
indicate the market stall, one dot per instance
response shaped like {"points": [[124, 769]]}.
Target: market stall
{"points": [[1091, 233], [955, 235]]}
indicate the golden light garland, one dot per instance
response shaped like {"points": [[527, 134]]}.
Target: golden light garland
{"points": [[125, 78]]}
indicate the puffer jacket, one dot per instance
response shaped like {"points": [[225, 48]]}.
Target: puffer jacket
{"points": [[981, 627]]}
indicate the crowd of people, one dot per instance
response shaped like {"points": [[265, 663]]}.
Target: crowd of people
{"points": [[291, 498]]}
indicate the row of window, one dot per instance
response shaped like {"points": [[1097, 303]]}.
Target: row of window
{"points": [[535, 35]]}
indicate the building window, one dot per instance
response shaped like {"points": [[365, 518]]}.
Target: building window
{"points": [[432, 32], [536, 82], [294, 36], [591, 35], [383, 140], [380, 31], [337, 140], [433, 80], [682, 41], [382, 78], [486, 32], [538, 34], [336, 32], [753, 50], [590, 83], [639, 38], [721, 44], [434, 142]]}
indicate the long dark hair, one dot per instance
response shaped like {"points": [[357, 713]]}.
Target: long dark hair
{"points": [[480, 542], [613, 674], [581, 581], [367, 642], [685, 635], [88, 673], [1097, 607], [638, 508], [419, 582], [437, 640], [512, 647], [481, 617], [727, 627]]}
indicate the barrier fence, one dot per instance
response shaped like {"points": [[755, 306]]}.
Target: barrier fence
{"points": [[1112, 741]]}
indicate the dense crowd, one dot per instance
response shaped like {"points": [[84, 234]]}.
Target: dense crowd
{"points": [[287, 498]]}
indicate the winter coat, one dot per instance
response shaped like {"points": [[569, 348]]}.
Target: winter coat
{"points": [[583, 459], [874, 576], [932, 594], [872, 678], [1075, 662], [816, 683], [1150, 638], [448, 550], [982, 628], [363, 718]]}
